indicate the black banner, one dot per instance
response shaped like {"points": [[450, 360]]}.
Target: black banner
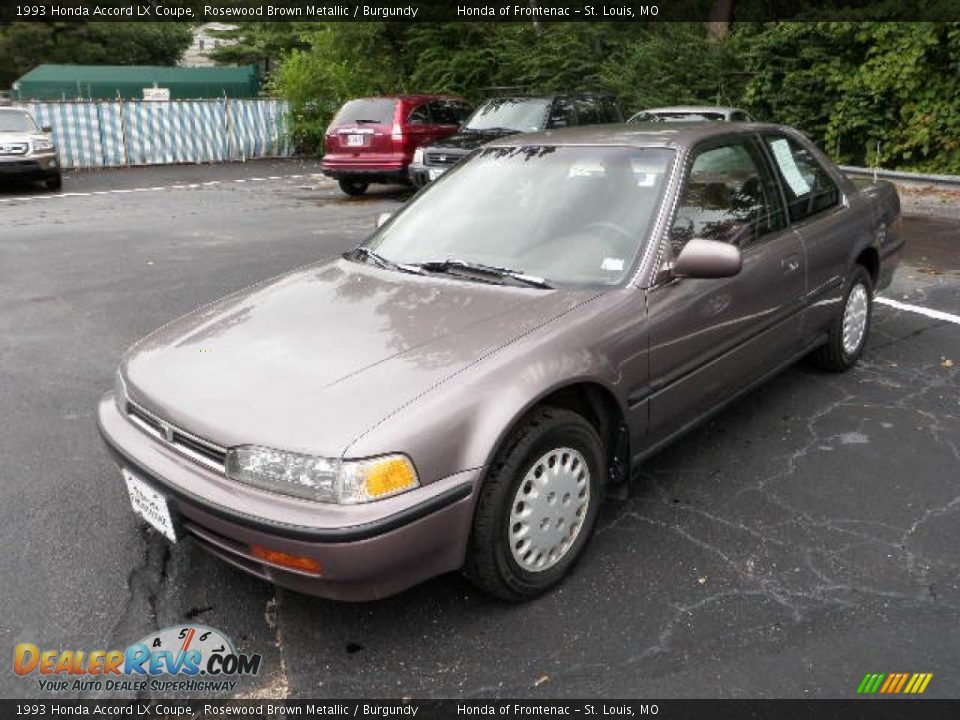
{"points": [[234, 11], [879, 709]]}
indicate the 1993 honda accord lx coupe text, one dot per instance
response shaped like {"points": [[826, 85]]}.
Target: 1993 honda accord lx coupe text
{"points": [[460, 390]]}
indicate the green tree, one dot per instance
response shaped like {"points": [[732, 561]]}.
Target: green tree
{"points": [[25, 45], [259, 43]]}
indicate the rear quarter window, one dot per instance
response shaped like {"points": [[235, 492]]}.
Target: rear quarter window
{"points": [[378, 111]]}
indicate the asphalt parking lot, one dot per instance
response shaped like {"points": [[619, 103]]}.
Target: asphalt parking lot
{"points": [[808, 535]]}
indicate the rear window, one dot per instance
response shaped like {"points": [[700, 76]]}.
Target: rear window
{"points": [[373, 111]]}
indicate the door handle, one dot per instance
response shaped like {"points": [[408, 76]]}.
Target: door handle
{"points": [[790, 264]]}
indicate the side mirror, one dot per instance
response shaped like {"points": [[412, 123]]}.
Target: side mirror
{"points": [[47, 129], [708, 259], [382, 218]]}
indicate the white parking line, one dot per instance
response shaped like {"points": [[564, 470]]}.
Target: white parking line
{"points": [[928, 312], [156, 188]]}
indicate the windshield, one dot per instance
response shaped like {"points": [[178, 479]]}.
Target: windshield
{"points": [[378, 111], [522, 115], [572, 215], [14, 121], [688, 117]]}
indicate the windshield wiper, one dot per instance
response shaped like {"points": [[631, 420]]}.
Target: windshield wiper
{"points": [[496, 130], [364, 253], [464, 268]]}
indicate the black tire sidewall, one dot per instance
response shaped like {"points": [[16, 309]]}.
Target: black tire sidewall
{"points": [[354, 187], [565, 433]]}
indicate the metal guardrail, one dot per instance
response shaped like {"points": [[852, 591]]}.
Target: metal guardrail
{"points": [[879, 173]]}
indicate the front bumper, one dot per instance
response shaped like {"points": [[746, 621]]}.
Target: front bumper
{"points": [[365, 552], [26, 167]]}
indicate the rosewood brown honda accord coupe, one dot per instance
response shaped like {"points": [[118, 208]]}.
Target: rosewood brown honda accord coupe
{"points": [[462, 389]]}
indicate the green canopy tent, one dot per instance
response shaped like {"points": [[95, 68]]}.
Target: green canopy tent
{"points": [[108, 82]]}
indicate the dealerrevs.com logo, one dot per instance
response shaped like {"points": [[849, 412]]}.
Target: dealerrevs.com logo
{"points": [[186, 658]]}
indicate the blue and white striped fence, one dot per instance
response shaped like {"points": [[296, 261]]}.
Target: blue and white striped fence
{"points": [[116, 133]]}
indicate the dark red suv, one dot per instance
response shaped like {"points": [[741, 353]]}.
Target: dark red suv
{"points": [[371, 140]]}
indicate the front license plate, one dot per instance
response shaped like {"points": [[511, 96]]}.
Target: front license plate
{"points": [[150, 505], [354, 140], [434, 173]]}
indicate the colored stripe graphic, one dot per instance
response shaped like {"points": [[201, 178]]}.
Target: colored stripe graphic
{"points": [[894, 683]]}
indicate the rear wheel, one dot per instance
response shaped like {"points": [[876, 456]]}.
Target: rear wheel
{"points": [[354, 187], [55, 182], [849, 330], [538, 505]]}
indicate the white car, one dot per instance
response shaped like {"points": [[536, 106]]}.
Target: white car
{"points": [[691, 113], [26, 151]]}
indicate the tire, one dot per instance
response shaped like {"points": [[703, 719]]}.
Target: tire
{"points": [[495, 561], [54, 183], [836, 355], [354, 187]]}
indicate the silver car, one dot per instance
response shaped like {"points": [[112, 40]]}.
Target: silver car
{"points": [[691, 113], [26, 152]]}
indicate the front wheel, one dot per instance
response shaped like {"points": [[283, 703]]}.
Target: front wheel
{"points": [[538, 505], [55, 182], [353, 187], [849, 330]]}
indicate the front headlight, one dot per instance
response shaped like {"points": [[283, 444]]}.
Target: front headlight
{"points": [[322, 479], [418, 156], [40, 146]]}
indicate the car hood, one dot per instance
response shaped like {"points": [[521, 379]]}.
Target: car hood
{"points": [[313, 359], [469, 140]]}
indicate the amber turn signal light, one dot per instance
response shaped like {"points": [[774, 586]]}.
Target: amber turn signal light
{"points": [[294, 562]]}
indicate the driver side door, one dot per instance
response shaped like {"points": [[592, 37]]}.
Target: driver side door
{"points": [[710, 338]]}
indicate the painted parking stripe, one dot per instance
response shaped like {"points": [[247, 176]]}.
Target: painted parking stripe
{"points": [[158, 188], [928, 312]]}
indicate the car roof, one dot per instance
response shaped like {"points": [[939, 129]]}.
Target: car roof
{"points": [[408, 98], [693, 109], [645, 134], [548, 96]]}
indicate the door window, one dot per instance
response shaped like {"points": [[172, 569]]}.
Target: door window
{"points": [[728, 196], [420, 115], [562, 114], [807, 185]]}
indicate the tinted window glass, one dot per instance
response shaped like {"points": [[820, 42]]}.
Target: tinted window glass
{"points": [[562, 114], [572, 215], [445, 112], [728, 196], [808, 187], [378, 111], [587, 112], [421, 115]]}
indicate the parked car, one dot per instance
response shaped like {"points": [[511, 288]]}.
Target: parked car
{"points": [[372, 140], [26, 151], [462, 389], [691, 113], [502, 116]]}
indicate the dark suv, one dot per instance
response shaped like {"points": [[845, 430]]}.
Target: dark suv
{"points": [[372, 140], [501, 116]]}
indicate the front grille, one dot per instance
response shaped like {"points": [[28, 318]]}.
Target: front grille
{"points": [[14, 148], [442, 159], [195, 448]]}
